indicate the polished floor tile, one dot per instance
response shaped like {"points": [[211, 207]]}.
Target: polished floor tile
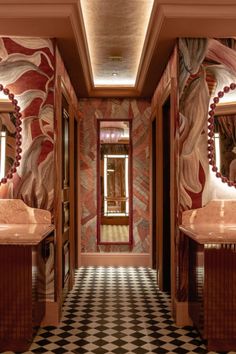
{"points": [[117, 311]]}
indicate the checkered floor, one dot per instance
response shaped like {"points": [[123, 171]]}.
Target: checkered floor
{"points": [[117, 311], [115, 233]]}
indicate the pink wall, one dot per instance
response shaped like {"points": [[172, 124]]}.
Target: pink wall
{"points": [[62, 72], [139, 111], [27, 69], [198, 184]]}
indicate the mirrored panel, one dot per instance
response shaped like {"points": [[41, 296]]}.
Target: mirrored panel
{"points": [[225, 144], [10, 135], [222, 135], [114, 184]]}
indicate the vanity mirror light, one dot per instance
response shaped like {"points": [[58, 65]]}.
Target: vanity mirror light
{"points": [[10, 135], [222, 135], [114, 182]]}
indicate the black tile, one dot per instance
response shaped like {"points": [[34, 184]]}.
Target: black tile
{"points": [[130, 292], [60, 351]]}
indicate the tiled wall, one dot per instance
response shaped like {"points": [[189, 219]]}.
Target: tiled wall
{"points": [[139, 112], [27, 69]]}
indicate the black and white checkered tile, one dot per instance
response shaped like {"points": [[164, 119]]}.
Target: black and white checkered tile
{"points": [[117, 311]]}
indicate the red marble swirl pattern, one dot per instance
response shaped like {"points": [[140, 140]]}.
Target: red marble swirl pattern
{"points": [[27, 69]]}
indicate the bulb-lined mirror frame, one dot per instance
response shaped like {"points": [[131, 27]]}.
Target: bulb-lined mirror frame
{"points": [[211, 135], [114, 182], [14, 117]]}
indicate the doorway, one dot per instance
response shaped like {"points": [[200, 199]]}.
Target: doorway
{"points": [[76, 192], [153, 194], [164, 183], [166, 245], [114, 182]]}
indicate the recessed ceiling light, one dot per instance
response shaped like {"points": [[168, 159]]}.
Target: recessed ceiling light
{"points": [[115, 39], [115, 58], [115, 73]]}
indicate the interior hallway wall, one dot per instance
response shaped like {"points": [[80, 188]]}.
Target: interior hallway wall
{"points": [[139, 111], [199, 59], [27, 70]]}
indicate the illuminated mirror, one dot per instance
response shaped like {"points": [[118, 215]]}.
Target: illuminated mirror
{"points": [[114, 182], [10, 135], [222, 135]]}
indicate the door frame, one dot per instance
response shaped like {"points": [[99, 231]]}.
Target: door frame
{"points": [[61, 90], [170, 91], [152, 191], [130, 176]]}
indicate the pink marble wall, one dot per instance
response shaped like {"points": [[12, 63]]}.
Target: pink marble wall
{"points": [[199, 59], [207, 57], [27, 69], [62, 73], [139, 112]]}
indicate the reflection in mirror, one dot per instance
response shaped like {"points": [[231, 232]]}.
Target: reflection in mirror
{"points": [[222, 135], [9, 137], [116, 189], [114, 184], [225, 144]]}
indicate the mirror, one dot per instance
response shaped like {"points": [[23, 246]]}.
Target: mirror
{"points": [[222, 135], [114, 182], [10, 135]]}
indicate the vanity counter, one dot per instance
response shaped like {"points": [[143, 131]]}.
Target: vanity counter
{"points": [[24, 234], [211, 244], [203, 233]]}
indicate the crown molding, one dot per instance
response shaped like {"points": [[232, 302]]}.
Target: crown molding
{"points": [[82, 46], [114, 92], [153, 33], [62, 19]]}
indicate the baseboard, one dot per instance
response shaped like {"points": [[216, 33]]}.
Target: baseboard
{"points": [[115, 259], [181, 314]]}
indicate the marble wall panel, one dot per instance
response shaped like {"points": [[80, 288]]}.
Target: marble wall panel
{"points": [[27, 70]]}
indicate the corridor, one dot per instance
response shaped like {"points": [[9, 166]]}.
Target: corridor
{"points": [[116, 311]]}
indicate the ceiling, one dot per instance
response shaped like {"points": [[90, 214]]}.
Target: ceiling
{"points": [[112, 41], [115, 36]]}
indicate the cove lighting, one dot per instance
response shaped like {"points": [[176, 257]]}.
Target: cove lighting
{"points": [[115, 33]]}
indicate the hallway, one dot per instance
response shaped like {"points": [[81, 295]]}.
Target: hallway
{"points": [[116, 310]]}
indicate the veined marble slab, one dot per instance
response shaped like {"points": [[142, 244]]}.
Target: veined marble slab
{"points": [[210, 233], [214, 223], [24, 234], [15, 211], [220, 211]]}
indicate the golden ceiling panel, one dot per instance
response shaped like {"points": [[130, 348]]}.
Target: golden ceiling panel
{"points": [[115, 34]]}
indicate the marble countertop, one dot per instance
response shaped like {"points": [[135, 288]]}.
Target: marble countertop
{"points": [[206, 233], [24, 234]]}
